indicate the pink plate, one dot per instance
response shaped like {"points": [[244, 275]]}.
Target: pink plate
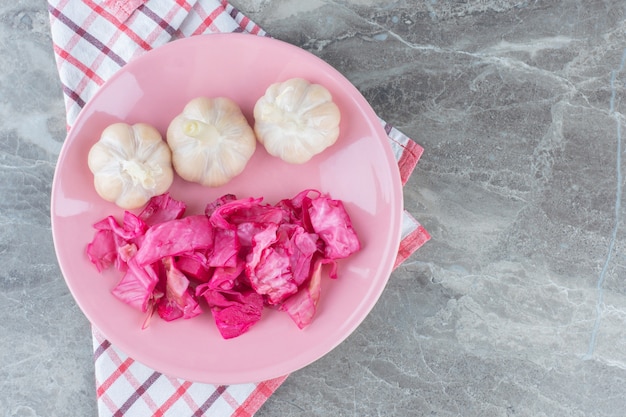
{"points": [[360, 169]]}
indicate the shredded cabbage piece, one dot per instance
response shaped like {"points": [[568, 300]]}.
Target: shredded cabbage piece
{"points": [[303, 305], [175, 237], [332, 223], [178, 302], [162, 208], [234, 311], [238, 257], [138, 287]]}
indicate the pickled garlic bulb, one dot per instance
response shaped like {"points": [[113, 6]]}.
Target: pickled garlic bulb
{"points": [[296, 120], [130, 164], [211, 141]]}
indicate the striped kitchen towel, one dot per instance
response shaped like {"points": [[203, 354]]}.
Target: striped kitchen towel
{"points": [[92, 40]]}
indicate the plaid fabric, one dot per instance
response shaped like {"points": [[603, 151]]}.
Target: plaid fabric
{"points": [[125, 387], [92, 40]]}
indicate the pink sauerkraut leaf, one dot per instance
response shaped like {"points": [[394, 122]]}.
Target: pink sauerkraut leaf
{"points": [[268, 267], [112, 241], [234, 312], [125, 253], [162, 208], [333, 225], [227, 211], [302, 306], [298, 207], [178, 301], [220, 215], [300, 246], [257, 213], [226, 278], [212, 206], [245, 232], [194, 266], [131, 227], [175, 237], [137, 287], [225, 248], [102, 251]]}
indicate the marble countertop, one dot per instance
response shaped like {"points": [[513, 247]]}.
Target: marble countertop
{"points": [[516, 307]]}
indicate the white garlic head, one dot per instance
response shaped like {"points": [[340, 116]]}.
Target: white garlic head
{"points": [[211, 141], [130, 164], [296, 120]]}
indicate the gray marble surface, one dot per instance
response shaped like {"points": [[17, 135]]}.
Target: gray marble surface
{"points": [[516, 307]]}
